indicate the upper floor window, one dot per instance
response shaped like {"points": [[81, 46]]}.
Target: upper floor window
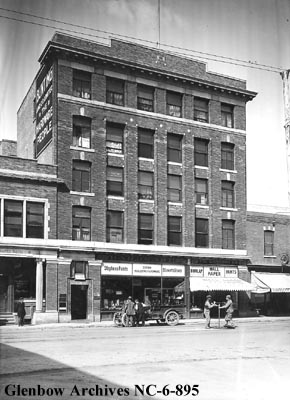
{"points": [[81, 223], [81, 176], [81, 84], [79, 270], [145, 98], [228, 156], [81, 131], [145, 229], [201, 232], [145, 143], [228, 194], [174, 148], [228, 234], [268, 243], [114, 140], [145, 185], [174, 104], [227, 115], [201, 191], [174, 188], [174, 231], [115, 226], [200, 109], [201, 152], [13, 218], [115, 91], [34, 220], [115, 181]]}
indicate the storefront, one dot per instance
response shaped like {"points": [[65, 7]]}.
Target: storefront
{"points": [[154, 283], [271, 294]]}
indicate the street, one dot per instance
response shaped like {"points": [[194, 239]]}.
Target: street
{"points": [[249, 362]]}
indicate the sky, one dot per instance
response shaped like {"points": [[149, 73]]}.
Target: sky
{"points": [[257, 31]]}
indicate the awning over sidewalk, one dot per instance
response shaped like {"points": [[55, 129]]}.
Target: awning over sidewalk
{"points": [[266, 281], [225, 284]]}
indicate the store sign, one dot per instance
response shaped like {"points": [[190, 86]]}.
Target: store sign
{"points": [[196, 271], [147, 269], [231, 272], [44, 112], [116, 269], [172, 270], [220, 272]]}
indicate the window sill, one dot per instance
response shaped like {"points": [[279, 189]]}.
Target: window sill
{"points": [[146, 200], [270, 256], [89, 194], [228, 209], [110, 196], [233, 171], [201, 167], [201, 206], [174, 163], [146, 159], [174, 203], [82, 149], [115, 154]]}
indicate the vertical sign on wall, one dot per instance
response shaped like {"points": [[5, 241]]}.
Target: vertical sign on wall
{"points": [[44, 111]]}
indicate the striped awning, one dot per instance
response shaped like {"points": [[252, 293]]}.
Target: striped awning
{"points": [[266, 281], [224, 284]]}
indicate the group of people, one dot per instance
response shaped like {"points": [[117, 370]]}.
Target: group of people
{"points": [[135, 311], [228, 306]]}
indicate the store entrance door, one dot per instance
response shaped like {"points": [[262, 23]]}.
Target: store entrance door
{"points": [[3, 293], [79, 296]]}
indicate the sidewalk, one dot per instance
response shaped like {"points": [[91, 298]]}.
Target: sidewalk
{"points": [[106, 324]]}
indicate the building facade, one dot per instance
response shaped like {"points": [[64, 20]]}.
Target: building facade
{"points": [[149, 152]]}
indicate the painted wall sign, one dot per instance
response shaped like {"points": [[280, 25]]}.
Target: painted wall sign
{"points": [[44, 112], [147, 269], [116, 269], [172, 270]]}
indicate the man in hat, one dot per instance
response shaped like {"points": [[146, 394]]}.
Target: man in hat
{"points": [[207, 307], [229, 312], [130, 311]]}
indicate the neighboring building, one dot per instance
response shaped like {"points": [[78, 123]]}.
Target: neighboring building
{"points": [[8, 147], [268, 234], [149, 154]]}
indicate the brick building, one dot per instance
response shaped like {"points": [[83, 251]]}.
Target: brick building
{"points": [[268, 234], [149, 153]]}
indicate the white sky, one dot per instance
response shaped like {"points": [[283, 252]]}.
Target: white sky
{"points": [[251, 30]]}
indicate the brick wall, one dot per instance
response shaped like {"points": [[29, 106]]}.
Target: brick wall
{"points": [[8, 147]]}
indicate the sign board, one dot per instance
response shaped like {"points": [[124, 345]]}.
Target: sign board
{"points": [[196, 271], [231, 272], [214, 272], [147, 269], [116, 269], [172, 270], [44, 112]]}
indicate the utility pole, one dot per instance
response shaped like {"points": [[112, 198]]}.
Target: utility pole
{"points": [[286, 94]]}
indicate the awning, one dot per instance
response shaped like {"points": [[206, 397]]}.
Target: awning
{"points": [[260, 287], [277, 283], [225, 284]]}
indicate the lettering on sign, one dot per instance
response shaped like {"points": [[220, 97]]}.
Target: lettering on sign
{"points": [[172, 270], [147, 269], [217, 272], [116, 269], [231, 272], [196, 271]]}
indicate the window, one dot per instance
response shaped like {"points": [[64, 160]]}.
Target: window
{"points": [[200, 109], [201, 191], [79, 270], [145, 185], [115, 91], [228, 194], [228, 156], [174, 231], [174, 152], [13, 218], [81, 132], [145, 98], [114, 140], [174, 104], [227, 115], [114, 181], [34, 220], [81, 176], [268, 243], [81, 84], [174, 190], [115, 226], [81, 223], [201, 152], [201, 232], [145, 143], [145, 229], [228, 234]]}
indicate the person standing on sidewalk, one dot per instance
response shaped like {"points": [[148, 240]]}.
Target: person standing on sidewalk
{"points": [[208, 305], [21, 312], [130, 312], [229, 312]]}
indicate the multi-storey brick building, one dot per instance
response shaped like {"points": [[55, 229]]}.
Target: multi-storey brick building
{"points": [[149, 151]]}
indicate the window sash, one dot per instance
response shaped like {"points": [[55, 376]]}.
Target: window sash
{"points": [[268, 243], [81, 176], [34, 220], [13, 218], [201, 152], [81, 132], [115, 235], [201, 191], [227, 156], [201, 232], [115, 91], [228, 198], [228, 235], [201, 110], [174, 147], [81, 223], [174, 188], [115, 219], [227, 115], [114, 139], [82, 84], [174, 99]]}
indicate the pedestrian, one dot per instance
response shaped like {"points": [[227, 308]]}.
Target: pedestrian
{"points": [[21, 312], [130, 312], [208, 305], [140, 314], [229, 312]]}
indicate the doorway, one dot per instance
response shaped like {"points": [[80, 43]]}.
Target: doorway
{"points": [[3, 293], [79, 295]]}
